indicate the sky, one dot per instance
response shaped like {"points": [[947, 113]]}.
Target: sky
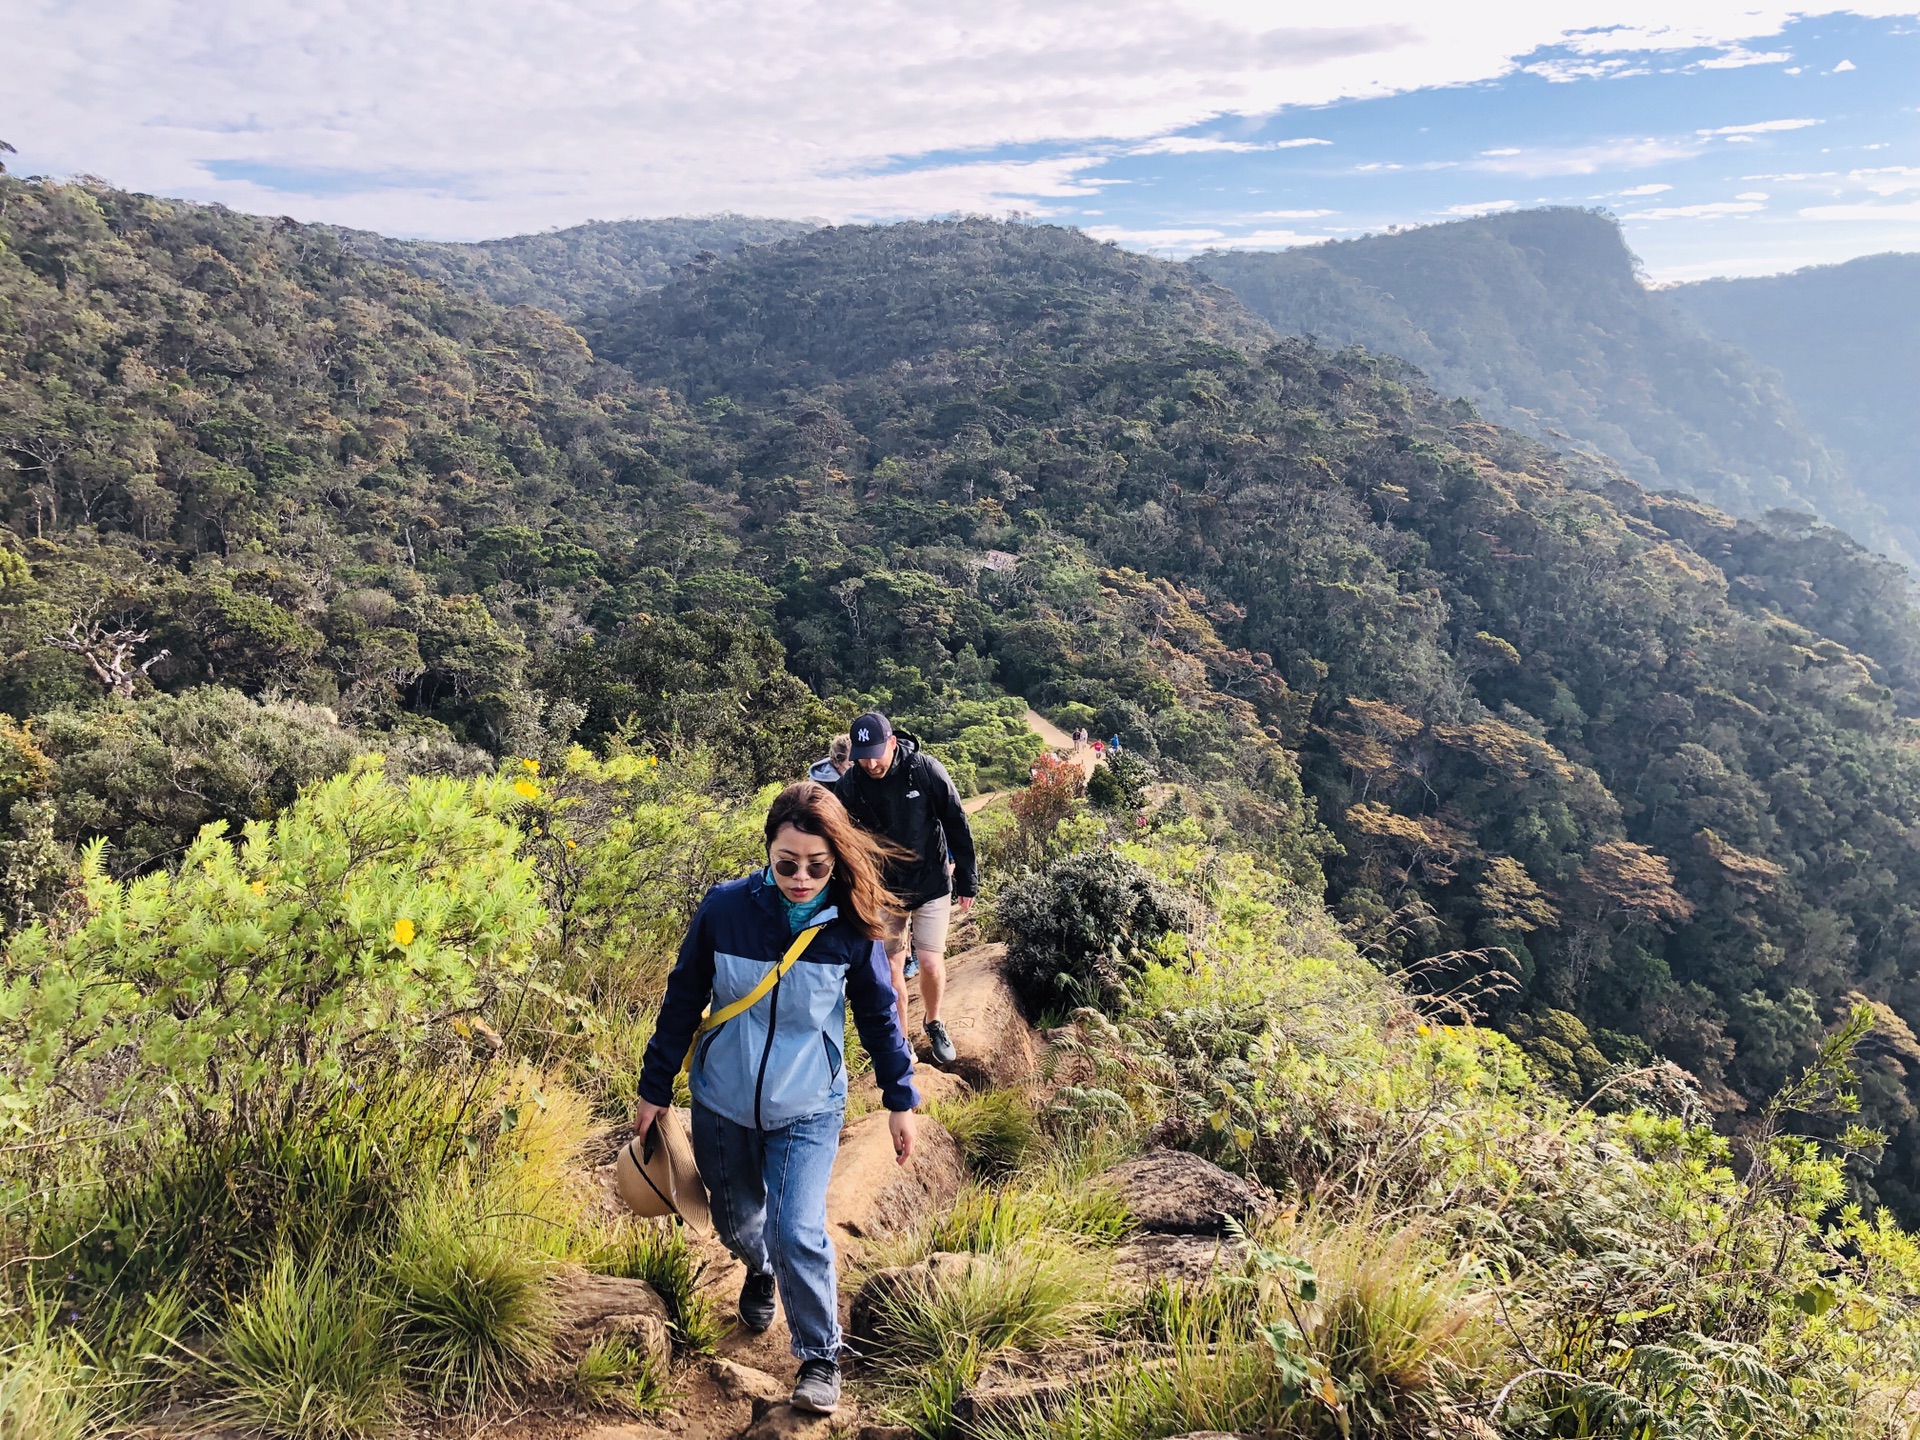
{"points": [[1740, 138]]}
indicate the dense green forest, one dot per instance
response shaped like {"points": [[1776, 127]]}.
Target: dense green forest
{"points": [[1633, 776], [1844, 341], [577, 271], [1541, 318]]}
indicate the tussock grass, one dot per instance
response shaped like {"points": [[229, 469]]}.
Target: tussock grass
{"points": [[1333, 1329], [996, 1131], [304, 1355], [661, 1255], [43, 1394], [612, 1375]]}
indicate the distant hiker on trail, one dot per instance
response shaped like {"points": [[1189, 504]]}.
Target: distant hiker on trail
{"points": [[828, 771], [897, 790], [769, 1082], [1079, 739]]}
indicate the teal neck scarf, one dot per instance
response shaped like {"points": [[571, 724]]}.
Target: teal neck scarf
{"points": [[800, 912]]}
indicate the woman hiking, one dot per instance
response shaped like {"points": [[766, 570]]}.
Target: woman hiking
{"points": [[770, 1085]]}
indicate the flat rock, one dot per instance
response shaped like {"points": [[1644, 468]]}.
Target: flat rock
{"points": [[1173, 1192], [590, 1308], [780, 1421], [743, 1383], [870, 1195], [1142, 1260], [997, 1048]]}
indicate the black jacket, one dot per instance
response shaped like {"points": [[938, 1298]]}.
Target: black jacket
{"points": [[915, 805]]}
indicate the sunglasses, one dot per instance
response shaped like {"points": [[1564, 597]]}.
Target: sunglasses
{"points": [[816, 869]]}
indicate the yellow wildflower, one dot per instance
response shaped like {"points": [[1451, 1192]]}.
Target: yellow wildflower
{"points": [[526, 789], [259, 887], [573, 844], [403, 932], [1423, 1029], [533, 765]]}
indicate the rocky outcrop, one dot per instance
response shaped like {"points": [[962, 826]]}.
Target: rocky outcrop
{"points": [[1172, 1192], [1182, 1259], [880, 1292], [871, 1195], [592, 1308], [997, 1047]]}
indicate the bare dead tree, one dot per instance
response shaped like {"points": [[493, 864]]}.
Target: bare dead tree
{"points": [[108, 652]]}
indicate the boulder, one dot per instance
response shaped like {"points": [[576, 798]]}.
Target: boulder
{"points": [[870, 1195], [1172, 1192], [997, 1047], [1001, 1399], [590, 1308], [1142, 1260]]}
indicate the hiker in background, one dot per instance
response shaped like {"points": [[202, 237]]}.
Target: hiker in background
{"points": [[898, 791], [828, 771], [1113, 745], [1079, 739], [796, 941]]}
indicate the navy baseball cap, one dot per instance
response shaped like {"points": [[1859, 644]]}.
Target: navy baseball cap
{"points": [[870, 734]]}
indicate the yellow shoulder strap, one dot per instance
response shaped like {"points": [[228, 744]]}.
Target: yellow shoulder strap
{"points": [[754, 996]]}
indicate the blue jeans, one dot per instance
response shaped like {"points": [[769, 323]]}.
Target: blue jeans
{"points": [[769, 1194]]}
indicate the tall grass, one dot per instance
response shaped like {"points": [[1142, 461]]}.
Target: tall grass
{"points": [[471, 1306], [304, 1354], [44, 1393], [996, 1131], [661, 1255]]}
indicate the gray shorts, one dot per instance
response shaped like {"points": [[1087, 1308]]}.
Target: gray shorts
{"points": [[927, 925]]}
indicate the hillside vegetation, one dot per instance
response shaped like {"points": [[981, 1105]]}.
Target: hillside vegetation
{"points": [[1541, 319], [577, 271], [1844, 341], [482, 639]]}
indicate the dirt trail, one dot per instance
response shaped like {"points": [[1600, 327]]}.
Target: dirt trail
{"points": [[1057, 740]]}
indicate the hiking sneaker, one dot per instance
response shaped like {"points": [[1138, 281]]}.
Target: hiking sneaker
{"points": [[942, 1043], [912, 967], [818, 1388], [756, 1302]]}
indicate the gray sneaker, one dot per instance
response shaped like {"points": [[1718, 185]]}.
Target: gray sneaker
{"points": [[942, 1043], [756, 1303], [818, 1388]]}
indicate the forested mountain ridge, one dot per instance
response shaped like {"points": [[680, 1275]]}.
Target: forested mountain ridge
{"points": [[1845, 343], [579, 270], [1524, 717], [1541, 319]]}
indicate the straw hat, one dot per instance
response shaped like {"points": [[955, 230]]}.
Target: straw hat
{"points": [[659, 1177]]}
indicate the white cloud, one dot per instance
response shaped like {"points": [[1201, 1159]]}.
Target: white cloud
{"points": [[1480, 207], [1888, 179], [474, 117], [1910, 210], [1753, 195], [1585, 159], [1291, 214], [1714, 211], [1844, 66], [1638, 190], [1169, 239], [1269, 240], [1201, 145], [1759, 128], [1736, 59]]}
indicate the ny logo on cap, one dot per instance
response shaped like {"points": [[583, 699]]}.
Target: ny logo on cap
{"points": [[864, 737]]}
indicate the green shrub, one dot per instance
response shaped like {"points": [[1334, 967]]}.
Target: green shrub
{"points": [[304, 1355], [1016, 1299], [1119, 782], [44, 1392], [1082, 930], [661, 1255]]}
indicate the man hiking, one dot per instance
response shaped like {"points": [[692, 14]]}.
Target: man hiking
{"points": [[896, 790]]}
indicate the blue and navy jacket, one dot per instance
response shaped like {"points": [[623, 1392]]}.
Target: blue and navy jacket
{"points": [[780, 1061]]}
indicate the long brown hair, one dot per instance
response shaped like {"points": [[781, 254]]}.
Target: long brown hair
{"points": [[813, 809]]}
